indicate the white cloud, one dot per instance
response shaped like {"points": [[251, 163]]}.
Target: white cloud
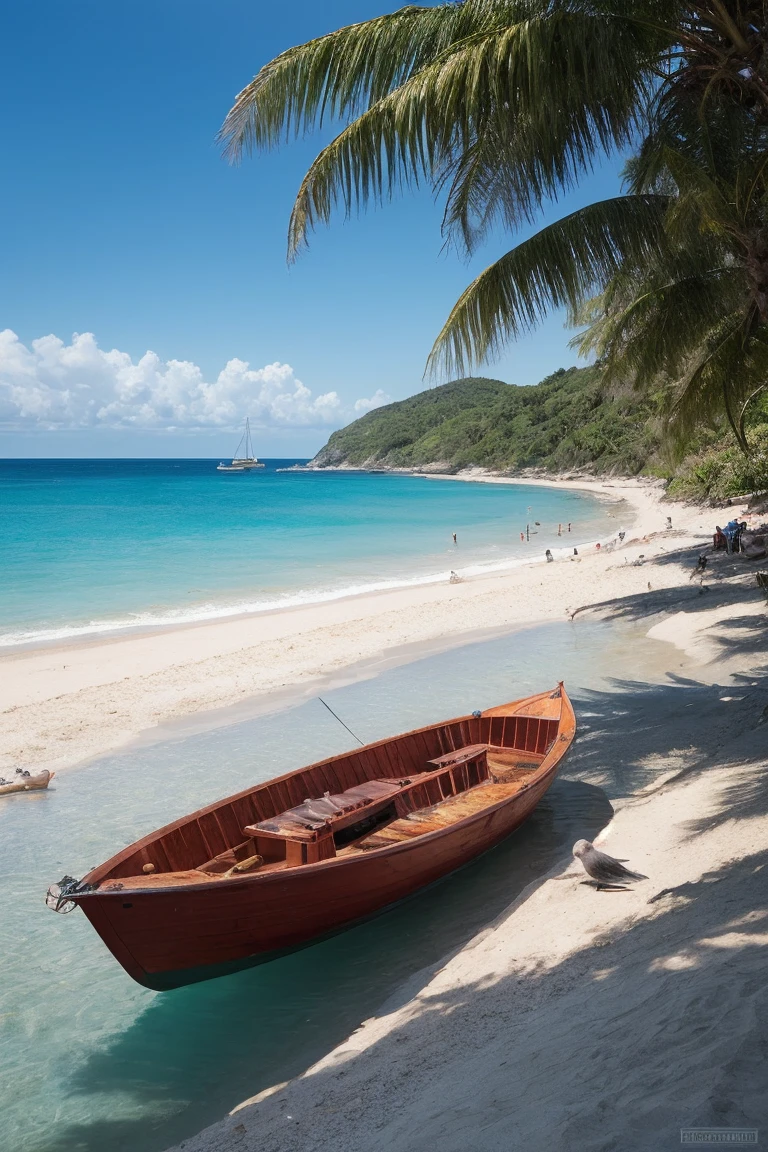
{"points": [[376, 401], [55, 385]]}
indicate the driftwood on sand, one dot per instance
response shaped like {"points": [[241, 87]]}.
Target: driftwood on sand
{"points": [[25, 782]]}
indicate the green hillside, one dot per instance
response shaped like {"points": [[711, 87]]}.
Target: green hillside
{"points": [[567, 421]]}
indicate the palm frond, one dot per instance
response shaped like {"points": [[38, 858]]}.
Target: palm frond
{"points": [[731, 363], [341, 74], [641, 329], [501, 105], [561, 265], [505, 103]]}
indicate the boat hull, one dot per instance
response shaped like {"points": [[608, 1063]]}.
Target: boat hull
{"points": [[167, 939], [28, 784]]}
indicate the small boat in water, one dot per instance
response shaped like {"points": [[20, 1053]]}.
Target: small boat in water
{"points": [[298, 858], [23, 781], [247, 461]]}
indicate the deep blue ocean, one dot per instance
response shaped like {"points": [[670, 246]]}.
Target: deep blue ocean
{"points": [[89, 546]]}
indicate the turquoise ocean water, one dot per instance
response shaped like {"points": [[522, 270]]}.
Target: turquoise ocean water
{"points": [[88, 546]]}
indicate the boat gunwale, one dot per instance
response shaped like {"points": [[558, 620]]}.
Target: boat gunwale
{"points": [[322, 865], [554, 755]]}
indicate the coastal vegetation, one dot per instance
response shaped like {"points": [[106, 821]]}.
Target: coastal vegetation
{"points": [[571, 420], [502, 105]]}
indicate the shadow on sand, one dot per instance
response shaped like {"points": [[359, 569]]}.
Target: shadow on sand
{"points": [[197, 1052]]}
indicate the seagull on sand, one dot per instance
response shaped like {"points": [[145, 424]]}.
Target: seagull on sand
{"points": [[601, 867]]}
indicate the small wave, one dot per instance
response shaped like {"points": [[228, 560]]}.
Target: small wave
{"points": [[301, 598]]}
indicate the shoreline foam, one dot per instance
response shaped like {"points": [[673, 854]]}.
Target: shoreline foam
{"points": [[145, 621]]}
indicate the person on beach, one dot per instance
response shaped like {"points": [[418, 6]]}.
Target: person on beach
{"points": [[559, 529], [522, 537], [732, 533], [622, 534], [569, 525], [549, 556], [454, 538]]}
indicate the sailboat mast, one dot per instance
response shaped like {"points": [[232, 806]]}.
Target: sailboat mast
{"points": [[243, 461]]}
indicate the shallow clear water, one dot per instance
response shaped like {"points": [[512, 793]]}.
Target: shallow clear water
{"points": [[90, 1061], [91, 545]]}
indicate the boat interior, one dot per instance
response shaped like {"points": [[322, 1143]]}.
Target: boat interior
{"points": [[375, 797]]}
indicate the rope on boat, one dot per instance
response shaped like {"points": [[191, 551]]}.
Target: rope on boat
{"points": [[360, 742], [59, 896]]}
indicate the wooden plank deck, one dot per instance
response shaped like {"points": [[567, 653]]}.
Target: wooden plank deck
{"points": [[511, 767], [425, 820]]}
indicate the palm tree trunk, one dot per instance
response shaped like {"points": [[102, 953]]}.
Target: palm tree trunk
{"points": [[743, 416], [737, 429]]}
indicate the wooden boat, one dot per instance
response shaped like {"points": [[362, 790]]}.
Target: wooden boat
{"points": [[288, 862], [28, 783]]}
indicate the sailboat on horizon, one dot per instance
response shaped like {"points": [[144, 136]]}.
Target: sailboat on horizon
{"points": [[245, 462]]}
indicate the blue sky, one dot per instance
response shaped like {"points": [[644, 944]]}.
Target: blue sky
{"points": [[122, 220]]}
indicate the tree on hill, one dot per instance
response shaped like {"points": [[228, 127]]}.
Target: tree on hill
{"points": [[568, 420], [502, 104]]}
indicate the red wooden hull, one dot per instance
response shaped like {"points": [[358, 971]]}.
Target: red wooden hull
{"points": [[169, 936]]}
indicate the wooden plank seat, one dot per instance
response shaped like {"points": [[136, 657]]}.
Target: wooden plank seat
{"points": [[320, 827], [506, 765], [460, 755], [311, 819]]}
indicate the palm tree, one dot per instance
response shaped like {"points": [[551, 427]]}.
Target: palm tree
{"points": [[695, 312], [500, 105]]}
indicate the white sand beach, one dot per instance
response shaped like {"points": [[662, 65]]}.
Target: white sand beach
{"points": [[66, 703], [585, 1020]]}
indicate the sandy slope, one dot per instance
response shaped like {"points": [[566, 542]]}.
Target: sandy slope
{"points": [[581, 1020], [63, 704]]}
